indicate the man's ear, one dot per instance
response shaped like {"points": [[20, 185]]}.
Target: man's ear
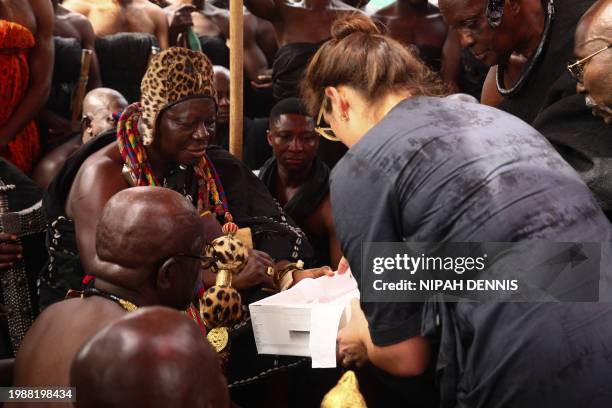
{"points": [[86, 123], [269, 137], [165, 274]]}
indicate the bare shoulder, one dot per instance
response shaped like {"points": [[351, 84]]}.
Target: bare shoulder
{"points": [[98, 175], [78, 6], [387, 11]]}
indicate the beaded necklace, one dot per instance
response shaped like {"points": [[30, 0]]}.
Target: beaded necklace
{"points": [[125, 304], [499, 77], [128, 306], [136, 162]]}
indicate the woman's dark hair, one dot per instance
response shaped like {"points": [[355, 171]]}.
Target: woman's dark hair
{"points": [[359, 55]]}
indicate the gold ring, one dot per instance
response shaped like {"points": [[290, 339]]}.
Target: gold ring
{"points": [[270, 271]]}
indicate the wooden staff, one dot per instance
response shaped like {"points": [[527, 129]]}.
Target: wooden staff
{"points": [[79, 93], [236, 77]]}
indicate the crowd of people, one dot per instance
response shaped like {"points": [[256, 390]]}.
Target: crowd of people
{"points": [[464, 121]]}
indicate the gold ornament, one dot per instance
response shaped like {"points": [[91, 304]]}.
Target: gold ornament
{"points": [[345, 394], [219, 338]]}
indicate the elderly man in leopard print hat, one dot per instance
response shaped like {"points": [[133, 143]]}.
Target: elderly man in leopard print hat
{"points": [[163, 141]]}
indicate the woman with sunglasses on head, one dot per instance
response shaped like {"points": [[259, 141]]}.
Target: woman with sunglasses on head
{"points": [[422, 167]]}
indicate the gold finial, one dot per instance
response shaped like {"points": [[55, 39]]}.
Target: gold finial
{"points": [[345, 394]]}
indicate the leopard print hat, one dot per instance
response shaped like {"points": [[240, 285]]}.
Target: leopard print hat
{"points": [[173, 75]]}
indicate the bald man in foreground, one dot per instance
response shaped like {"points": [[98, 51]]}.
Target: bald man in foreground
{"points": [[154, 357], [148, 243]]}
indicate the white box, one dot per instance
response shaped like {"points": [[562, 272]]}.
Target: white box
{"points": [[304, 320]]}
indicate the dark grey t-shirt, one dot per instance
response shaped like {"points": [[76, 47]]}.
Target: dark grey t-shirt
{"points": [[439, 170]]}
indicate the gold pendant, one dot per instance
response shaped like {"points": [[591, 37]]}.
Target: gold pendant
{"points": [[218, 338]]}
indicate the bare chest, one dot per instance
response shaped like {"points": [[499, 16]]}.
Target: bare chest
{"points": [[420, 31], [204, 27], [304, 25], [64, 28], [113, 20], [18, 11]]}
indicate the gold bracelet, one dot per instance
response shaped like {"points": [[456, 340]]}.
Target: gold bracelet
{"points": [[287, 280], [284, 277], [205, 213]]}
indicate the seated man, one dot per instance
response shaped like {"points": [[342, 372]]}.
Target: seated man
{"points": [[299, 179], [417, 23], [528, 46], [126, 16], [300, 29], [154, 357], [164, 141], [147, 249], [98, 108], [26, 55], [593, 52]]}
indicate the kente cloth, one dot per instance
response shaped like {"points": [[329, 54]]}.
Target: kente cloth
{"points": [[15, 41], [66, 72], [305, 201], [124, 58], [288, 68], [548, 101], [440, 170]]}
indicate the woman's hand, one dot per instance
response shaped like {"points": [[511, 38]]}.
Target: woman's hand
{"points": [[311, 273], [352, 349]]}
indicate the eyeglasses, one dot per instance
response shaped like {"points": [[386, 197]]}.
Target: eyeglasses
{"points": [[326, 132], [576, 68]]}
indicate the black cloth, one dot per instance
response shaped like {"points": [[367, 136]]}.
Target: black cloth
{"points": [[256, 147], [432, 56], [124, 59], [25, 195], [289, 64], [66, 72], [548, 101], [438, 170], [305, 201], [216, 50], [472, 74]]}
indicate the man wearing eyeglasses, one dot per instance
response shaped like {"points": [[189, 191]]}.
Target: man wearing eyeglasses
{"points": [[527, 44], [593, 51], [299, 179]]}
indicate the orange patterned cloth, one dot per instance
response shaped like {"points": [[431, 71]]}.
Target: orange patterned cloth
{"points": [[15, 41]]}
